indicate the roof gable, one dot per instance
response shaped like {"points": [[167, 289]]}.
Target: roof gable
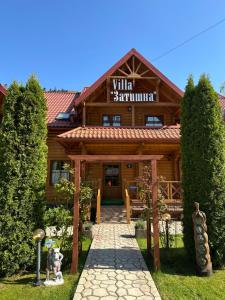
{"points": [[132, 73]]}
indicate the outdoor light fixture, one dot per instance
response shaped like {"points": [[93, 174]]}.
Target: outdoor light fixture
{"points": [[167, 217], [38, 236], [129, 166], [129, 108]]}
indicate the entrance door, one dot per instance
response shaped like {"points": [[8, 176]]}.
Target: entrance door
{"points": [[112, 188]]}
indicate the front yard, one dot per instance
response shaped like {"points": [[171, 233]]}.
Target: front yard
{"points": [[21, 287], [177, 279]]}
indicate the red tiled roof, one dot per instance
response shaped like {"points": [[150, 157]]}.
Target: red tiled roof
{"points": [[2, 90], [59, 102], [164, 134], [222, 101]]}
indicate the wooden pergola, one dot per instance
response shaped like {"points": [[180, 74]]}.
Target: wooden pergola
{"points": [[124, 158]]}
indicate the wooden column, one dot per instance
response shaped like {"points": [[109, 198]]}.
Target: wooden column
{"points": [[133, 115], [84, 116], [74, 265], [155, 215]]}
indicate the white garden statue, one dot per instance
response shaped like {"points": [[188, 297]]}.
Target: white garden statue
{"points": [[54, 262]]}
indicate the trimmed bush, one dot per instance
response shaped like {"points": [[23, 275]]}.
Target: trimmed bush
{"points": [[203, 159], [23, 161]]}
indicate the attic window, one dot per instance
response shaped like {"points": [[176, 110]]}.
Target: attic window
{"points": [[62, 116]]}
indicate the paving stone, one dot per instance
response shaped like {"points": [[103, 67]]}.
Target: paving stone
{"points": [[121, 292], [135, 292], [115, 269], [100, 292], [87, 292]]}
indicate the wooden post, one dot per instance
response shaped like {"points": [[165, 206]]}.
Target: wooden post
{"points": [[133, 115], [74, 265], [98, 206], [148, 232], [155, 215], [84, 115], [108, 89]]}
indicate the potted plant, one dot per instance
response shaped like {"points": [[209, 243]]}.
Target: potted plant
{"points": [[140, 229], [87, 230]]}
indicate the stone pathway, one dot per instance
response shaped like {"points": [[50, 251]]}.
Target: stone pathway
{"points": [[115, 268]]}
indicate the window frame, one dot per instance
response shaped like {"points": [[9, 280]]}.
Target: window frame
{"points": [[110, 120], [161, 117], [51, 183]]}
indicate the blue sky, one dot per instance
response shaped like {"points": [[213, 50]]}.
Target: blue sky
{"points": [[69, 44]]}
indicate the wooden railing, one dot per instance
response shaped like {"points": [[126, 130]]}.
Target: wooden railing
{"points": [[98, 210], [127, 204], [172, 194]]}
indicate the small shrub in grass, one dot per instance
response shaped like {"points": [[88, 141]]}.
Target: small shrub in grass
{"points": [[61, 219], [140, 224]]}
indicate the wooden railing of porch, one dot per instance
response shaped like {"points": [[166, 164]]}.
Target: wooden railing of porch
{"points": [[127, 206], [98, 208], [171, 193]]}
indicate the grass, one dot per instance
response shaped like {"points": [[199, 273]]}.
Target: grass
{"points": [[177, 279], [21, 287]]}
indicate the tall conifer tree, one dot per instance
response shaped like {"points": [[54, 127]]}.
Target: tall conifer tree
{"points": [[23, 168], [207, 167], [187, 163]]}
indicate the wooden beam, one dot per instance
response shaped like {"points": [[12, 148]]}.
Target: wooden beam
{"points": [[84, 115], [143, 73], [149, 104], [74, 265], [123, 72], [133, 115], [108, 90], [157, 90], [135, 77], [155, 215], [99, 157], [138, 67]]}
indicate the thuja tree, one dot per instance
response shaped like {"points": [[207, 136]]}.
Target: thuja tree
{"points": [[188, 164], [23, 159], [204, 174]]}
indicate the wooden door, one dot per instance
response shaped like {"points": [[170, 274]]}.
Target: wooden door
{"points": [[112, 187]]}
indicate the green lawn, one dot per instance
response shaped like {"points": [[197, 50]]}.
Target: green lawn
{"points": [[177, 279], [21, 287]]}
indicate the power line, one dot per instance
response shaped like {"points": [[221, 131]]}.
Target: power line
{"points": [[188, 40]]}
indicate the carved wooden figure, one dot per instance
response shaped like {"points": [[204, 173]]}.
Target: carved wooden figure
{"points": [[203, 259]]}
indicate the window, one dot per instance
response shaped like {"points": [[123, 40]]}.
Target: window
{"points": [[62, 116], [154, 121], [112, 175], [113, 120], [57, 171]]}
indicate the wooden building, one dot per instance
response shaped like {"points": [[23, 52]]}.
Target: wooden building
{"points": [[131, 110]]}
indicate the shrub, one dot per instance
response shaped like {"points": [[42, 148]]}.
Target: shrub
{"points": [[203, 157], [23, 161]]}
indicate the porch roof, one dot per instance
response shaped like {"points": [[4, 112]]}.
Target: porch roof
{"points": [[164, 134]]}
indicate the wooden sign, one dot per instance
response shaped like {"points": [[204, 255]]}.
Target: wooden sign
{"points": [[122, 90]]}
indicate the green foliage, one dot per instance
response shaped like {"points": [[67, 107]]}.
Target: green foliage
{"points": [[203, 164], [23, 161], [145, 192], [86, 194], [60, 219], [65, 188], [140, 224]]}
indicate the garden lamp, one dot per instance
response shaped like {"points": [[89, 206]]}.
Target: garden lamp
{"points": [[38, 236], [167, 217]]}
